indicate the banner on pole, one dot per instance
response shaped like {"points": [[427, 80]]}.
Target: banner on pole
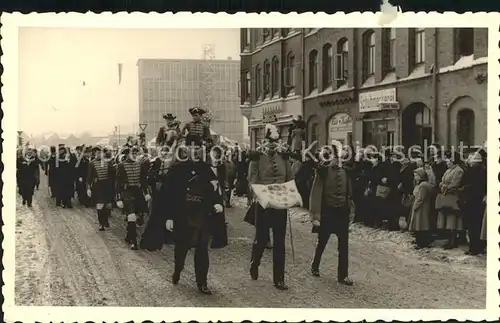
{"points": [[120, 66]]}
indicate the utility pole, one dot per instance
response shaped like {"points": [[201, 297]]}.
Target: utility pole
{"points": [[208, 83]]}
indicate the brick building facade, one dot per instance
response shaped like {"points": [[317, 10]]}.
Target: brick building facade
{"points": [[271, 86], [401, 86], [381, 86]]}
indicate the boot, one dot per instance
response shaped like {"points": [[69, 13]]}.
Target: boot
{"points": [[452, 241], [315, 269], [107, 213], [131, 236], [176, 276], [254, 264], [203, 288], [281, 285]]}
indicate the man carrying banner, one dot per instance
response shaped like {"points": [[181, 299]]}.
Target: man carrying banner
{"points": [[270, 167]]}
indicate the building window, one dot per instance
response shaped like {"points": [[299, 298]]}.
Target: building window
{"points": [[266, 34], [392, 48], [267, 72], [389, 49], [327, 69], [371, 54], [258, 88], [465, 127], [275, 76], [313, 70], [368, 54], [464, 42], [248, 86], [341, 62], [419, 45], [289, 73], [314, 133], [248, 37]]}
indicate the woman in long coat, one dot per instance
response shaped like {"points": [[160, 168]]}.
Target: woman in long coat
{"points": [[472, 201], [449, 217], [421, 208]]}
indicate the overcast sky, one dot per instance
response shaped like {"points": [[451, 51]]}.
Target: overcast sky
{"points": [[54, 62]]}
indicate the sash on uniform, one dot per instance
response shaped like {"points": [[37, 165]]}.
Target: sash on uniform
{"points": [[277, 196]]}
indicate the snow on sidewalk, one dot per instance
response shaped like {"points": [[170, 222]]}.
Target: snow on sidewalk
{"points": [[31, 255]]}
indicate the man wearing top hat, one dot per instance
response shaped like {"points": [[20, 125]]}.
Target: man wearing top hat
{"points": [[197, 132]]}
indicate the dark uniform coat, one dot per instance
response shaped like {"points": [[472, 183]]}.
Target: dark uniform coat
{"points": [[100, 180], [171, 204]]}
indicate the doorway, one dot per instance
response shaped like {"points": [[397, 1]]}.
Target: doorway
{"points": [[417, 126]]}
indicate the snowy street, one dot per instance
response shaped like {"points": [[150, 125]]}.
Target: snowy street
{"points": [[61, 259]]}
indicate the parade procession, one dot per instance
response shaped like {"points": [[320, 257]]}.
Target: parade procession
{"points": [[177, 193]]}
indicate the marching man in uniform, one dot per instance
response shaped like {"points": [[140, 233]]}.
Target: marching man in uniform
{"points": [[193, 201], [271, 167], [329, 209], [100, 181], [198, 132], [132, 188]]}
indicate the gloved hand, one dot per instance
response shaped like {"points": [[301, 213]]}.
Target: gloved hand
{"points": [[89, 193], [316, 223], [147, 197], [80, 179], [119, 204], [170, 225], [218, 208]]}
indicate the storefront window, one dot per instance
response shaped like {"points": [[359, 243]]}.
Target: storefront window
{"points": [[379, 133], [339, 127]]}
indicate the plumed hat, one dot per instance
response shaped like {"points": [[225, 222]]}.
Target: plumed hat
{"points": [[197, 110], [169, 116], [271, 132]]}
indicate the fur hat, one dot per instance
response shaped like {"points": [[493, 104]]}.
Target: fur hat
{"points": [[197, 110], [271, 132], [169, 116]]}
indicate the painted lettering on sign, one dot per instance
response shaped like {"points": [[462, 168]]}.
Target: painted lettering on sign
{"points": [[339, 127], [370, 101]]}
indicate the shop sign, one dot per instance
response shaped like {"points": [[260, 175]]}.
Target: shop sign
{"points": [[339, 126], [271, 113], [374, 101]]}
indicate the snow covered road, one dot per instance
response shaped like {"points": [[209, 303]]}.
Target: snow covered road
{"points": [[61, 259]]}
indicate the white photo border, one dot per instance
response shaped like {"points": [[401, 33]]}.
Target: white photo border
{"points": [[9, 30]]}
